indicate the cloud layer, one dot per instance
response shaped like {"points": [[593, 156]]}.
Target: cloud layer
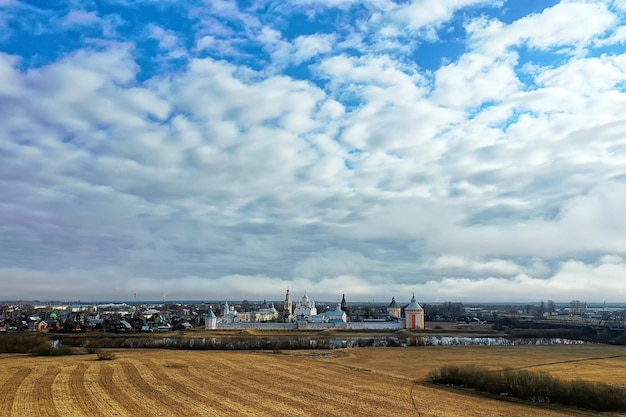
{"points": [[467, 150]]}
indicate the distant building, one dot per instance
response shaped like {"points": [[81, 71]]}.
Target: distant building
{"points": [[394, 309], [337, 315], [305, 308], [287, 308], [344, 307], [229, 313], [210, 321], [414, 315], [268, 312], [303, 314], [264, 314]]}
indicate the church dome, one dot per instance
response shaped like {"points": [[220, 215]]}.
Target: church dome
{"points": [[307, 302], [413, 305], [393, 303]]}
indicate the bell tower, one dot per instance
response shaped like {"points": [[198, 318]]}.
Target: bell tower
{"points": [[288, 308]]}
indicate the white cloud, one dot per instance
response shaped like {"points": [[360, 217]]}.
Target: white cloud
{"points": [[494, 174], [205, 42], [491, 266], [299, 50], [331, 263], [590, 76], [618, 36], [572, 25], [421, 13], [588, 224], [80, 17], [168, 40], [327, 3], [619, 5], [307, 47], [476, 79], [11, 80], [572, 280], [393, 113], [590, 282]]}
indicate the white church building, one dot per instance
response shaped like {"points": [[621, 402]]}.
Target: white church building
{"points": [[305, 309]]}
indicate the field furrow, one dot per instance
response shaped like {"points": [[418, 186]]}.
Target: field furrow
{"points": [[66, 401], [26, 402], [82, 394], [349, 386], [111, 394], [6, 372], [144, 385], [45, 397], [354, 382], [203, 397], [252, 392], [287, 391], [258, 377], [9, 387], [347, 389], [337, 390]]}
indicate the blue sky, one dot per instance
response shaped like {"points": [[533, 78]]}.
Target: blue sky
{"points": [[465, 149]]}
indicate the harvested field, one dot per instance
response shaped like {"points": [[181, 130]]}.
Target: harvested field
{"points": [[354, 382]]}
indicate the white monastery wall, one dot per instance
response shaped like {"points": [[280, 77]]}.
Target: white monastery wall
{"points": [[387, 325]]}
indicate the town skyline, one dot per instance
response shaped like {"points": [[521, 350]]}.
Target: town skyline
{"points": [[329, 301]]}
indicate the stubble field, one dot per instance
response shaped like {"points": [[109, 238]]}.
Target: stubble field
{"points": [[353, 382]]}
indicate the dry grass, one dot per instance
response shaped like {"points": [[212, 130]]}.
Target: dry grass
{"points": [[355, 382], [589, 361]]}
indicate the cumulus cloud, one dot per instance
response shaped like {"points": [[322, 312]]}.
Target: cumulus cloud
{"points": [[453, 262], [419, 14], [79, 18], [307, 47], [476, 79], [567, 25], [571, 281], [168, 41], [241, 153], [587, 224]]}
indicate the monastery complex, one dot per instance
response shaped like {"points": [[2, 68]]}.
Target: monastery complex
{"points": [[303, 314]]}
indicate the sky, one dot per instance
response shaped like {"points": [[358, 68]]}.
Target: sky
{"points": [[464, 150]]}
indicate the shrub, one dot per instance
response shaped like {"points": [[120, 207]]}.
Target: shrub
{"points": [[106, 356], [62, 350], [534, 386], [93, 346], [21, 342], [48, 349]]}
